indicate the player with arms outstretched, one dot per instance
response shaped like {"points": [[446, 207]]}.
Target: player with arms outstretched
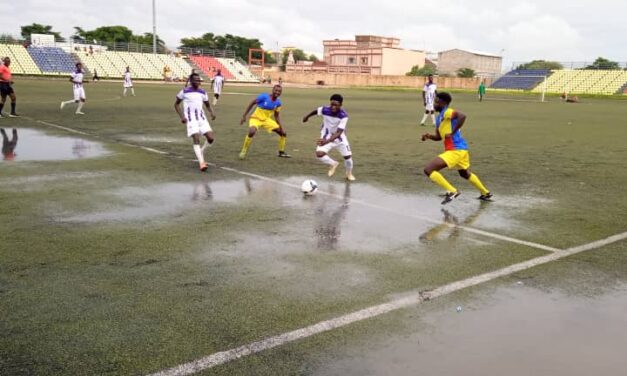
{"points": [[448, 128], [193, 116], [333, 135], [267, 106]]}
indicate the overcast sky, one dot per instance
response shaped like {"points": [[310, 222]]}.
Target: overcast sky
{"points": [[575, 30]]}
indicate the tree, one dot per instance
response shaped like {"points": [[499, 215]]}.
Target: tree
{"points": [[36, 28], [541, 64], [299, 55], [7, 38], [424, 71], [603, 63], [313, 58], [239, 45], [466, 72], [105, 34]]}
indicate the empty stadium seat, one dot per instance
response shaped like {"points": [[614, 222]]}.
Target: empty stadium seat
{"points": [[52, 60], [21, 61], [585, 81], [521, 79]]}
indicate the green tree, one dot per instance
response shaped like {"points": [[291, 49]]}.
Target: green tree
{"points": [[239, 45], [313, 57], [299, 55], [541, 64], [36, 28], [603, 63], [206, 41], [465, 72], [424, 71], [7, 38], [105, 34]]}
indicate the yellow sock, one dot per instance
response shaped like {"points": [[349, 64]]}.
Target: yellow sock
{"points": [[282, 140], [440, 180], [247, 142], [474, 180]]}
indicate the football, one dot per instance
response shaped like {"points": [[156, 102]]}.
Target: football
{"points": [[309, 187]]}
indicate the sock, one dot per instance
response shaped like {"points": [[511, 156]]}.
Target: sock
{"points": [[433, 118], [440, 180], [247, 142], [1, 107], [215, 100], [13, 107], [198, 152], [327, 160], [424, 118], [348, 165], [80, 106], [132, 91], [474, 180], [282, 141], [124, 94], [68, 102]]}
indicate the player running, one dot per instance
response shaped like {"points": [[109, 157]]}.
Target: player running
{"points": [[448, 128], [333, 135], [267, 106], [6, 87], [76, 78], [218, 84], [193, 116]]}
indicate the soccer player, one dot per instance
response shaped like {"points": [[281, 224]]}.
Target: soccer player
{"points": [[333, 135], [76, 78], [448, 128], [267, 106], [128, 82], [218, 84], [428, 96], [193, 116], [481, 90], [6, 88]]}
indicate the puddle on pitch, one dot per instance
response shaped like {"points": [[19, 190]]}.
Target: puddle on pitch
{"points": [[24, 144], [518, 331]]}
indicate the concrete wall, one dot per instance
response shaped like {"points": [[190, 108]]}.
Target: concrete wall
{"points": [[398, 62], [449, 62], [333, 79]]}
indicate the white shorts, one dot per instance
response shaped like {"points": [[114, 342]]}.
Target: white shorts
{"points": [[429, 107], [197, 126], [217, 91], [79, 93], [342, 146], [128, 84]]}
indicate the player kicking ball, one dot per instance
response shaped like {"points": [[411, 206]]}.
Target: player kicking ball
{"points": [[193, 116], [448, 128], [333, 136]]}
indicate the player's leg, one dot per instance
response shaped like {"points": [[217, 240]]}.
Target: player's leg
{"points": [[81, 103], [323, 157], [132, 91], [13, 103], [124, 93], [345, 149], [432, 170], [199, 155], [3, 99], [282, 140], [475, 181], [252, 130], [424, 118], [216, 96], [432, 115]]}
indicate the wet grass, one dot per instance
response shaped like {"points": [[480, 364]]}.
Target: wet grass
{"points": [[138, 295]]}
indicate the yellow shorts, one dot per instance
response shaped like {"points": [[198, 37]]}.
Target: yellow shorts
{"points": [[459, 159], [269, 124]]}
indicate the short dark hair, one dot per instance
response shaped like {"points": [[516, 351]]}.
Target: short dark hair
{"points": [[277, 85], [444, 97], [337, 97], [192, 75]]}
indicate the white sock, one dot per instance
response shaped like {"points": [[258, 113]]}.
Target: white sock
{"points": [[424, 118], [198, 152], [327, 160], [80, 106], [68, 102], [348, 164], [433, 118], [124, 94], [132, 92]]}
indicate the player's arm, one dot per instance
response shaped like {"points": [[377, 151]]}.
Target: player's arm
{"points": [[424, 98], [177, 108], [250, 106], [208, 105], [461, 118], [277, 118], [432, 137], [312, 113], [335, 135]]}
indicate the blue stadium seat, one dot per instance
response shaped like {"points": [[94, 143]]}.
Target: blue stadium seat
{"points": [[52, 60], [521, 79]]}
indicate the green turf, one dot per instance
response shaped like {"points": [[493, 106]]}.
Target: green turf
{"points": [[137, 296]]}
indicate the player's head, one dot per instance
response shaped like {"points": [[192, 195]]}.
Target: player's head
{"points": [[194, 80], [430, 78], [219, 73], [79, 67], [128, 69], [7, 61], [276, 91], [442, 100], [336, 102]]}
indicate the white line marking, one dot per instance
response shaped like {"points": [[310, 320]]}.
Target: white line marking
{"points": [[60, 127], [367, 313], [153, 150]]}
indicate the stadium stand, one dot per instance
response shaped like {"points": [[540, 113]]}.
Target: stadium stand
{"points": [[585, 81], [521, 79], [52, 60], [112, 64], [209, 65], [238, 70], [21, 61]]}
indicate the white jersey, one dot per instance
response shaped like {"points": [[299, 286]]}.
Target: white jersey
{"points": [[331, 123], [77, 85], [218, 82], [127, 80], [193, 100], [429, 90]]}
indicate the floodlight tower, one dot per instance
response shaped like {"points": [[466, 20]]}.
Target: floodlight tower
{"points": [[154, 27]]}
